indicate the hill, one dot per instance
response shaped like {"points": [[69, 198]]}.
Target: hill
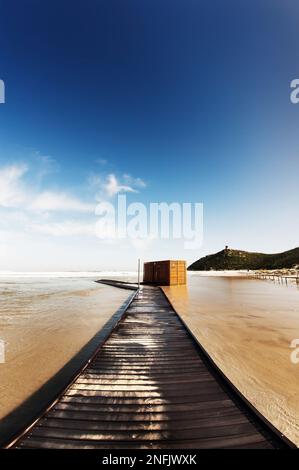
{"points": [[237, 259]]}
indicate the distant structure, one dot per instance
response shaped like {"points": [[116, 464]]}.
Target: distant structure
{"points": [[165, 273], [226, 247]]}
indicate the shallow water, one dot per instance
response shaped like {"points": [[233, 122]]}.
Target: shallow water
{"points": [[44, 322], [246, 326]]}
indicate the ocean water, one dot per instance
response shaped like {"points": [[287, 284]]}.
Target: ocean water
{"points": [[45, 320], [247, 326]]}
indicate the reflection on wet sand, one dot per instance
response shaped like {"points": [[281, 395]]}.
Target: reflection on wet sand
{"points": [[247, 326]]}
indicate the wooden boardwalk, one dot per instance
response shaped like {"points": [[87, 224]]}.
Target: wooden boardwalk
{"points": [[149, 386]]}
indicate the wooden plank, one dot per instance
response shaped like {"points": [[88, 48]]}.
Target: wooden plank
{"points": [[146, 434], [130, 425], [138, 401], [174, 417], [244, 442], [153, 406]]}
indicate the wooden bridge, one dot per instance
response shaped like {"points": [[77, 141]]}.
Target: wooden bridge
{"points": [[149, 386]]}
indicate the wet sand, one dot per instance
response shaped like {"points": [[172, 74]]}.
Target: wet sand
{"points": [[246, 326], [44, 323]]}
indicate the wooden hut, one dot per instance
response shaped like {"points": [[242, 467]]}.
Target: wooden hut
{"points": [[165, 273]]}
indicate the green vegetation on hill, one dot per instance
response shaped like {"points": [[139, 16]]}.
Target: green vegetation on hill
{"points": [[237, 259]]}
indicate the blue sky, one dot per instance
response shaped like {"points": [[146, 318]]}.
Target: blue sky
{"points": [[177, 100]]}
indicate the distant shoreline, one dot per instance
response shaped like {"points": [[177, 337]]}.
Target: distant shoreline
{"points": [[292, 273]]}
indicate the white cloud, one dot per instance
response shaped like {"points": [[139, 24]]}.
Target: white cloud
{"points": [[135, 182], [42, 227], [54, 201], [101, 161], [65, 228], [95, 182], [108, 186], [30, 216], [12, 192], [112, 186], [143, 243], [45, 165]]}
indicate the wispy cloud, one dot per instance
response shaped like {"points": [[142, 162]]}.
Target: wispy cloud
{"points": [[101, 161], [28, 211], [112, 186], [45, 165], [12, 191], [108, 186], [15, 193], [65, 229], [135, 182], [54, 201], [44, 223]]}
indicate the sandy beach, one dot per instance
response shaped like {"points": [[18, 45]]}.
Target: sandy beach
{"points": [[247, 326], [45, 322]]}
